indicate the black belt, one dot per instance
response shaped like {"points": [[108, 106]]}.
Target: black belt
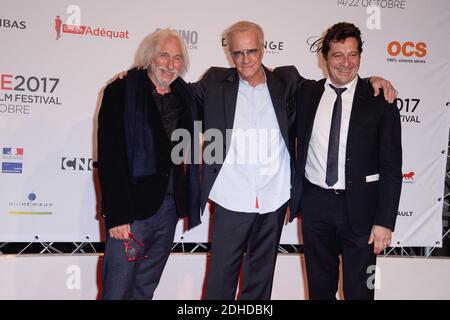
{"points": [[334, 191]]}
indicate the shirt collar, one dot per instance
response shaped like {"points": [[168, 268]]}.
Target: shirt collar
{"points": [[260, 86], [350, 86]]}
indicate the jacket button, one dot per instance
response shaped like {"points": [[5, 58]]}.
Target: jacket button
{"points": [[349, 182], [214, 170]]}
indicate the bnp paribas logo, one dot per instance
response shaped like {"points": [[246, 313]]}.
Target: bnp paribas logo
{"points": [[73, 26], [13, 24]]}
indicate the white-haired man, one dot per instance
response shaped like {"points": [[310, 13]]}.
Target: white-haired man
{"points": [[143, 191]]}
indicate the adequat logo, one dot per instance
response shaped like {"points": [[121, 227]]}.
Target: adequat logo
{"points": [[73, 26]]}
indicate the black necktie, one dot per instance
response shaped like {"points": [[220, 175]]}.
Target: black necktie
{"points": [[333, 141]]}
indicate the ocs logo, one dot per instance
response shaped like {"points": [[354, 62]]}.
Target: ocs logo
{"points": [[407, 49]]}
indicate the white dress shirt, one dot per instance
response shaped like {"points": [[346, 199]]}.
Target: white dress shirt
{"points": [[255, 176], [316, 161]]}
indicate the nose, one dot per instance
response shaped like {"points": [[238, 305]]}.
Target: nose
{"points": [[245, 59], [170, 64], [346, 61]]}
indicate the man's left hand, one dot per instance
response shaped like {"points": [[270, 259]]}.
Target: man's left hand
{"points": [[380, 237], [390, 94]]}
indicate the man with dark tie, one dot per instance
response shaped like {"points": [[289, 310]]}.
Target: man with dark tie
{"points": [[348, 175]]}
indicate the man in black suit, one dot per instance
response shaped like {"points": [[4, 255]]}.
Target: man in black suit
{"points": [[348, 171], [143, 191]]}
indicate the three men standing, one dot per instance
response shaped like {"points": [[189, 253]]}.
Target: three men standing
{"points": [[143, 191]]}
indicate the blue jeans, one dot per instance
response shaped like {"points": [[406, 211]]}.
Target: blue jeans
{"points": [[124, 280]]}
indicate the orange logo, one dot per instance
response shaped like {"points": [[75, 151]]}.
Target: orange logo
{"points": [[407, 49]]}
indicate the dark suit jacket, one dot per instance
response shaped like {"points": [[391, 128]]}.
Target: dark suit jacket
{"points": [[373, 147], [124, 201], [216, 94]]}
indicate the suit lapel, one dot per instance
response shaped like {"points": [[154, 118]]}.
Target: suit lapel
{"points": [[313, 100], [230, 93], [357, 113], [279, 103]]}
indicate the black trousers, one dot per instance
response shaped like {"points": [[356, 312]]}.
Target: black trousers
{"points": [[137, 280], [250, 239], [326, 234]]}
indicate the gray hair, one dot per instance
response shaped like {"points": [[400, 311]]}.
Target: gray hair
{"points": [[152, 43], [242, 26]]}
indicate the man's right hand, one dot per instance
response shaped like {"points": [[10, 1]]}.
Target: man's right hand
{"points": [[120, 232], [117, 76]]}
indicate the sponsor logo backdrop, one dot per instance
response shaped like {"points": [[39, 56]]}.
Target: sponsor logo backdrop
{"points": [[57, 56]]}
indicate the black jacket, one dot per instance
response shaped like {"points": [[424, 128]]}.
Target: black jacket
{"points": [[216, 94], [373, 147], [124, 201]]}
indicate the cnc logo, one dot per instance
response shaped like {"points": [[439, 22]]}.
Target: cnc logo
{"points": [[407, 52], [77, 164]]}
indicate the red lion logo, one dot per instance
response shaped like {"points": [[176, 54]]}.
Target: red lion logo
{"points": [[408, 176]]}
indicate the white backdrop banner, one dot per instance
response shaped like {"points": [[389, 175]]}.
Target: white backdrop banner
{"points": [[57, 56]]}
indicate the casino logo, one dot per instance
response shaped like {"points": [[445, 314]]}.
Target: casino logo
{"points": [[190, 37]]}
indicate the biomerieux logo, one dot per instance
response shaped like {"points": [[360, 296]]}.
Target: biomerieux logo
{"points": [[73, 26], [31, 205]]}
